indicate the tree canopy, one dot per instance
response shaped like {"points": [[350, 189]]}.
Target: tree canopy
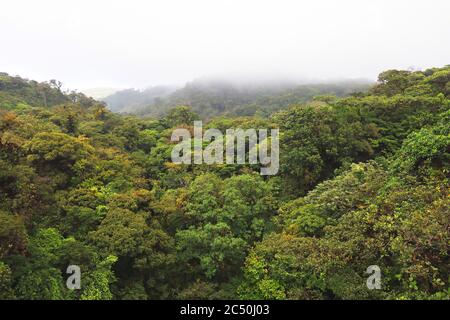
{"points": [[364, 180]]}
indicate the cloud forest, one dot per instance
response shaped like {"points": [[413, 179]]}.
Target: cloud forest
{"points": [[363, 180]]}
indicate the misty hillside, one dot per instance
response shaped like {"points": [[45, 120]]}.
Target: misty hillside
{"points": [[363, 180], [211, 98], [216, 159], [131, 100]]}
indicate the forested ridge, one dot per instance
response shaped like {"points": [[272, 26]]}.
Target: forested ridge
{"points": [[363, 180], [211, 98]]}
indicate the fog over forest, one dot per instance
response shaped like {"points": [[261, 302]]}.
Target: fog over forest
{"points": [[137, 44], [224, 150]]}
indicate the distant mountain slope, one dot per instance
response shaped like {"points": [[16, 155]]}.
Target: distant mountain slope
{"points": [[130, 100], [211, 98]]}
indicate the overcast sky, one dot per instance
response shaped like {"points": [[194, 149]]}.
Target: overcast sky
{"points": [[135, 43]]}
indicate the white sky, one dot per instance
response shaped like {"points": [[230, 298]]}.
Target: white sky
{"points": [[131, 43]]}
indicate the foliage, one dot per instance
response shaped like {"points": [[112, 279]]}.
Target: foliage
{"points": [[364, 180]]}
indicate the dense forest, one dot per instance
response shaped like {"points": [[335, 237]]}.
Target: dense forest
{"points": [[364, 180], [210, 98]]}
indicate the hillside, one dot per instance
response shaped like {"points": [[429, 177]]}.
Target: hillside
{"points": [[18, 93], [132, 100], [210, 98], [364, 180]]}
